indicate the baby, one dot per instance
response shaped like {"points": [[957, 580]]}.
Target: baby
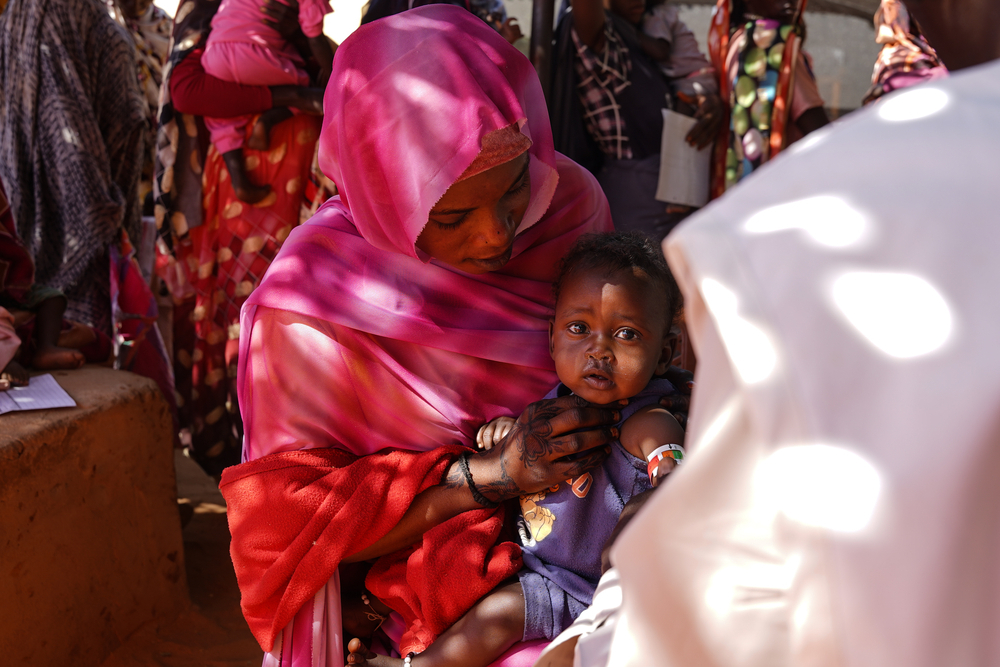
{"points": [[610, 336], [243, 49]]}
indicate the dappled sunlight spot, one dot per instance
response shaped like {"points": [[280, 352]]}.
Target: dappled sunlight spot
{"points": [[913, 104], [749, 348], [819, 485], [901, 314], [826, 219], [750, 585]]}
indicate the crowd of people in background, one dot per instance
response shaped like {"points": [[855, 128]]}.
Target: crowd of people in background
{"points": [[152, 167], [210, 162]]}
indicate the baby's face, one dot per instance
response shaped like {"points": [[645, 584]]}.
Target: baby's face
{"points": [[609, 334]]}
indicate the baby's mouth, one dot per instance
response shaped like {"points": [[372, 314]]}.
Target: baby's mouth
{"points": [[598, 379]]}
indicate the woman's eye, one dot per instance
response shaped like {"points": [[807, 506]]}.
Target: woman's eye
{"points": [[519, 187], [627, 334], [577, 328], [449, 225]]}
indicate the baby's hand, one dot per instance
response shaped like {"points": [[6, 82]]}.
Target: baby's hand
{"points": [[493, 432], [660, 472]]}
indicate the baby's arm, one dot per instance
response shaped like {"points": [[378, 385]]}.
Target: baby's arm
{"points": [[494, 431], [647, 431]]}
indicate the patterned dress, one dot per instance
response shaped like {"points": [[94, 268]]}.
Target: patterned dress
{"points": [[214, 249]]}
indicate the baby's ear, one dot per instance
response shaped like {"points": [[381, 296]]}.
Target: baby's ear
{"points": [[552, 349], [668, 351]]}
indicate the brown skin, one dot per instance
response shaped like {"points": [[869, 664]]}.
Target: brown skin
{"points": [[472, 229], [610, 334], [964, 33], [472, 226]]}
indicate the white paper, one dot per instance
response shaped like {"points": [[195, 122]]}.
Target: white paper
{"points": [[42, 393], [684, 170]]}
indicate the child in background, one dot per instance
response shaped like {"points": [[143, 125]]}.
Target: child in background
{"points": [[610, 337], [243, 49], [32, 330], [668, 41]]}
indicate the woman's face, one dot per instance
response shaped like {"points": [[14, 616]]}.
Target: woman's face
{"points": [[472, 226]]}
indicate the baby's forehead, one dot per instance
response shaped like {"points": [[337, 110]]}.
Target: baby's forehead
{"points": [[632, 286]]}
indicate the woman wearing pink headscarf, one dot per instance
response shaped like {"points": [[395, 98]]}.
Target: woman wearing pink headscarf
{"points": [[407, 312]]}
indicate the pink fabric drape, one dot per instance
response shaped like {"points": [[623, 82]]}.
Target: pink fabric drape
{"points": [[355, 341]]}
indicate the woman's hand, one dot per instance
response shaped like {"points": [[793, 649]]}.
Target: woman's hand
{"points": [[553, 440]]}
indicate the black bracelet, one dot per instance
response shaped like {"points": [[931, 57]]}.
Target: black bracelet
{"points": [[463, 464]]}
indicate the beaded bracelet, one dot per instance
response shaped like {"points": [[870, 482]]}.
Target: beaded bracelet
{"points": [[408, 658], [463, 464]]}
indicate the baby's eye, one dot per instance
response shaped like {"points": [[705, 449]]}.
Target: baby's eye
{"points": [[627, 334], [577, 328]]}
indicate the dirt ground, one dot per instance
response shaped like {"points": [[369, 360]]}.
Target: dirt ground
{"points": [[212, 632]]}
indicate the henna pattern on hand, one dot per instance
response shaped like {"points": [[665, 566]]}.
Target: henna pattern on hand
{"points": [[453, 477], [503, 488]]}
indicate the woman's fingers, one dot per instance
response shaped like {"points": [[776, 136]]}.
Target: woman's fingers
{"points": [[572, 413], [582, 441], [580, 465]]}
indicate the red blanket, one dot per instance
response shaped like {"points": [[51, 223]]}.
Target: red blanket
{"points": [[295, 515]]}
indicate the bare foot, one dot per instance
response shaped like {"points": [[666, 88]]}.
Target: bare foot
{"points": [[13, 375], [242, 185], [360, 656], [251, 193], [78, 336], [360, 619], [57, 358]]}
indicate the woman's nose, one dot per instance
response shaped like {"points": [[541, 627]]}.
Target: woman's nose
{"points": [[498, 229]]}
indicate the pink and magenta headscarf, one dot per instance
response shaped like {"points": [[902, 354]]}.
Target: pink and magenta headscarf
{"points": [[355, 342], [409, 102]]}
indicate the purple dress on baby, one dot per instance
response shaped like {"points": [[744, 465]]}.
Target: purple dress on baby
{"points": [[563, 529]]}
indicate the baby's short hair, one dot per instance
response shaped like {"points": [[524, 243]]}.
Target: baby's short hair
{"points": [[622, 251]]}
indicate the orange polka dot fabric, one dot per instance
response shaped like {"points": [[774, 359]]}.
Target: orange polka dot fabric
{"points": [[220, 263]]}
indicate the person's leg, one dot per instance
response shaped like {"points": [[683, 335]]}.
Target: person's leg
{"points": [[477, 639], [242, 185], [260, 136], [48, 325]]}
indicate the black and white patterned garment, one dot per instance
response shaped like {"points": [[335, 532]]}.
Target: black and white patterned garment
{"points": [[71, 137]]}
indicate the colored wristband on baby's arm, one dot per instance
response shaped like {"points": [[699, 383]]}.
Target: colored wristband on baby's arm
{"points": [[675, 452]]}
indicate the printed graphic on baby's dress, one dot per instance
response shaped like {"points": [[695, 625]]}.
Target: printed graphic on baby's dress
{"points": [[535, 522]]}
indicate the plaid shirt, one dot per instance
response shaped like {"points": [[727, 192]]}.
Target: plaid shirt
{"points": [[602, 76]]}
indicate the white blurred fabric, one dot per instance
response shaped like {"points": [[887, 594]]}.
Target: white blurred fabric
{"points": [[873, 538]]}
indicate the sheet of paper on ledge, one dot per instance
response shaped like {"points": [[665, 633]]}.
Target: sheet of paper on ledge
{"points": [[42, 393], [684, 170]]}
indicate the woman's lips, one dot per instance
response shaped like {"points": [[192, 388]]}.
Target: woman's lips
{"points": [[496, 260]]}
